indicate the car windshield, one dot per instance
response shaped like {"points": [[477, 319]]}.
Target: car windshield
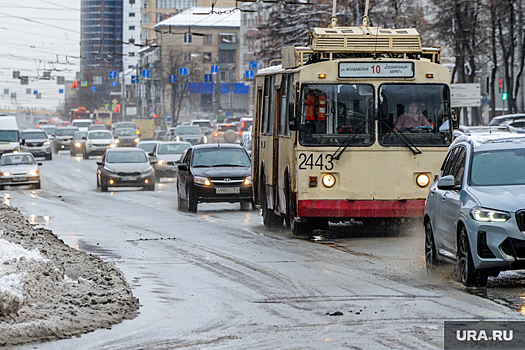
{"points": [[8, 135], [79, 135], [65, 132], [173, 148], [34, 135], [331, 112], [415, 113], [487, 166], [202, 123], [189, 130], [50, 130], [126, 125], [126, 157], [125, 132], [81, 124], [97, 127], [98, 135], [147, 147], [17, 159], [214, 157]]}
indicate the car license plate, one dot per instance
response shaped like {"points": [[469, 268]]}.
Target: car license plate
{"points": [[228, 190], [129, 178], [19, 179]]}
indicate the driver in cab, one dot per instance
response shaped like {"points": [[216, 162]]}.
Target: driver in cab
{"points": [[412, 119]]}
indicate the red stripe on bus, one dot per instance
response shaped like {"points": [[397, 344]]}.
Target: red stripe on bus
{"points": [[361, 209]]}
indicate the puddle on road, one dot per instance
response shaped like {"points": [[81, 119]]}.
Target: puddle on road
{"points": [[95, 249]]}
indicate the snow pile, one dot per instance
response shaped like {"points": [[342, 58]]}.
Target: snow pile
{"points": [[51, 291]]}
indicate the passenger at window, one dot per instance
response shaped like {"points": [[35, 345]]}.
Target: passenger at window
{"points": [[412, 119]]}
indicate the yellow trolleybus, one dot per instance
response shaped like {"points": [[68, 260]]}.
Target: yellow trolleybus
{"points": [[353, 126]]}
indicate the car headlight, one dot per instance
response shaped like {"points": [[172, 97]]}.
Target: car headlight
{"points": [[161, 162], [489, 215], [117, 141], [177, 138], [111, 171], [15, 151], [137, 140], [202, 181], [112, 145], [247, 181], [147, 170], [32, 172], [328, 180], [6, 173], [47, 143], [205, 139], [77, 144]]}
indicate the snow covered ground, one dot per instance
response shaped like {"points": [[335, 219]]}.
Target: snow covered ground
{"points": [[49, 290]]}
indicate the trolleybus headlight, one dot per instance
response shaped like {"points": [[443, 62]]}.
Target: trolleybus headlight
{"points": [[422, 180], [328, 180]]}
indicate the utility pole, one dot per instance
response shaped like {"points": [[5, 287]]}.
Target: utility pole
{"points": [[230, 67]]}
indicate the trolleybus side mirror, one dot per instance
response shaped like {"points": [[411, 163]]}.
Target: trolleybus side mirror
{"points": [[455, 118], [293, 121]]}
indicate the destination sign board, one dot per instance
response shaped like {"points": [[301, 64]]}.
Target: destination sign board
{"points": [[376, 70]]}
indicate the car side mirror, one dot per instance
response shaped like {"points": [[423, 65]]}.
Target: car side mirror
{"points": [[177, 162], [446, 183], [455, 118], [100, 163], [39, 164], [153, 161], [182, 166], [84, 138], [23, 142], [293, 120]]}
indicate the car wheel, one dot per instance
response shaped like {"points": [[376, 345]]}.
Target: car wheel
{"points": [[270, 219], [192, 201], [85, 155], [49, 156], [430, 249], [103, 188], [98, 182], [151, 187], [470, 277], [37, 186], [55, 150], [182, 203], [71, 153], [2, 187], [246, 205]]}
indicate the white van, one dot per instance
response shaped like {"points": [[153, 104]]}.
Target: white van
{"points": [[9, 134], [82, 124]]}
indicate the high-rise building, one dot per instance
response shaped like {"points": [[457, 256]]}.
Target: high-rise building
{"points": [[101, 26], [131, 33]]}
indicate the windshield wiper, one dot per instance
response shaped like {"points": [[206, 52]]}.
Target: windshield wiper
{"points": [[7, 141], [402, 137], [347, 140], [225, 165]]}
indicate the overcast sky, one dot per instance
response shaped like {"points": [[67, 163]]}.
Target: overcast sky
{"points": [[35, 36]]}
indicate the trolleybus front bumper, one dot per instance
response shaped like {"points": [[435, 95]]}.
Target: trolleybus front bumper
{"points": [[411, 208]]}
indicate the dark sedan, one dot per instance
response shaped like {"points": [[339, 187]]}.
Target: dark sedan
{"points": [[214, 173]]}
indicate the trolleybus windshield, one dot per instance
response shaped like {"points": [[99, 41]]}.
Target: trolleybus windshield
{"points": [[330, 112], [413, 112]]}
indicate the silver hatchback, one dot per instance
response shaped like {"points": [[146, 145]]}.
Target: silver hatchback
{"points": [[475, 210]]}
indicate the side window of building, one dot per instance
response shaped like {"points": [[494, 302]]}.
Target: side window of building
{"points": [[188, 38]]}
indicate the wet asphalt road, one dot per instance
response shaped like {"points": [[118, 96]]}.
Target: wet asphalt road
{"points": [[219, 280]]}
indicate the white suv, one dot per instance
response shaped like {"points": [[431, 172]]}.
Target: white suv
{"points": [[96, 142]]}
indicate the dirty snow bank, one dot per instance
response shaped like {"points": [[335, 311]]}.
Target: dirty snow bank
{"points": [[51, 291]]}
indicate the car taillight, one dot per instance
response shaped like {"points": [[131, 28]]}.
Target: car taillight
{"points": [[216, 134], [240, 132]]}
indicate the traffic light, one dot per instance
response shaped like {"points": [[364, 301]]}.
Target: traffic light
{"points": [[504, 96], [499, 85]]}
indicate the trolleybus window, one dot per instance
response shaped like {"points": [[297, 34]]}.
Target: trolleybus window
{"points": [[413, 113], [333, 114]]}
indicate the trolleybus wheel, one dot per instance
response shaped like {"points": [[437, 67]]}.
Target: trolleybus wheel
{"points": [[270, 219]]}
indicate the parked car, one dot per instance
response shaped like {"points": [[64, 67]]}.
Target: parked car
{"points": [[225, 133], [167, 154], [125, 167], [36, 142], [18, 169], [147, 146], [96, 142], [190, 133], [474, 212], [77, 142], [63, 138], [82, 124], [506, 118], [126, 137], [214, 173]]}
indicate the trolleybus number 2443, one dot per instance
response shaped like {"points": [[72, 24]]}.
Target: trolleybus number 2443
{"points": [[307, 161]]}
